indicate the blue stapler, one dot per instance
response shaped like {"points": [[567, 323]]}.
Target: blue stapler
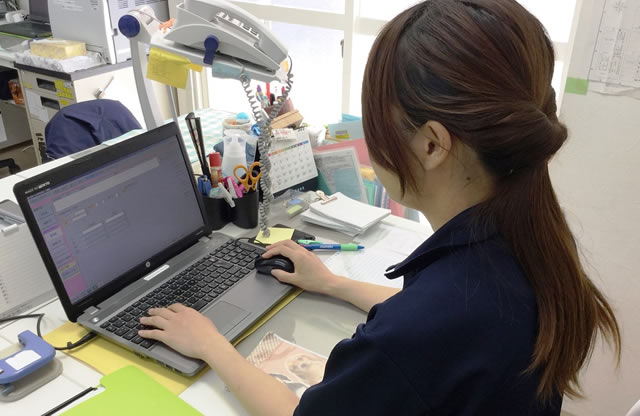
{"points": [[33, 356]]}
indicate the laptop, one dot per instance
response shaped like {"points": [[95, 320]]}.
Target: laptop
{"points": [[123, 229], [36, 25]]}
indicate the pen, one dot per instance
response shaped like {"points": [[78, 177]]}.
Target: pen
{"points": [[340, 247], [204, 186], [203, 153], [261, 97], [71, 400], [195, 131]]}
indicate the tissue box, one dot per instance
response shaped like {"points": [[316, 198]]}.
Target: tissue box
{"points": [[58, 48]]}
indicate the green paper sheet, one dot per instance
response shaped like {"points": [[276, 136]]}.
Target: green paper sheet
{"points": [[129, 391]]}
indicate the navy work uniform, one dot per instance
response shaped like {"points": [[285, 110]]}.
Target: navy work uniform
{"points": [[455, 341]]}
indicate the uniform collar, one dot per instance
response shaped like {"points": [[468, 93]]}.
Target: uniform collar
{"points": [[462, 230]]}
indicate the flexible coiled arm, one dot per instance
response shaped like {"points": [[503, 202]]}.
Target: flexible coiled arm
{"points": [[264, 144]]}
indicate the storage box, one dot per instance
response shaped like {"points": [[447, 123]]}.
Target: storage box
{"points": [[58, 48], [292, 119]]}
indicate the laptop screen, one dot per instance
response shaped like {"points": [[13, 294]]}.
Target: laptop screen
{"points": [[39, 10], [102, 223]]}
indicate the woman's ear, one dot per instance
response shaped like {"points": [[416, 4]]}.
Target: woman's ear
{"points": [[432, 144]]}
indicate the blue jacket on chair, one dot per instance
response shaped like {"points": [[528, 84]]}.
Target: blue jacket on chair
{"points": [[86, 124]]}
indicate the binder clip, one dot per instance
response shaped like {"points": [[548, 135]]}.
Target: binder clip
{"points": [[25, 370], [325, 199]]}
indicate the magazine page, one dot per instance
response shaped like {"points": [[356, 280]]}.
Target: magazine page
{"points": [[292, 365]]}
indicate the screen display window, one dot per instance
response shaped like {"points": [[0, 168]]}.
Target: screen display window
{"points": [[100, 225]]}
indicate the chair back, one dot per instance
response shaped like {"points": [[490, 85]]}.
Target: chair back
{"points": [[86, 124]]}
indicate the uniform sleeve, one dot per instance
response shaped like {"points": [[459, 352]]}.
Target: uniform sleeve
{"points": [[360, 379]]}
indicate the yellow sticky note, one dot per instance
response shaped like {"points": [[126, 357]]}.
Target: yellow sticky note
{"points": [[168, 68], [59, 84], [196, 68], [275, 235], [64, 103], [285, 65]]}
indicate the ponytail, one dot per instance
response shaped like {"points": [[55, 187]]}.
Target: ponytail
{"points": [[570, 308]]}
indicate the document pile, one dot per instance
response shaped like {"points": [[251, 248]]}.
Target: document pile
{"points": [[344, 214]]}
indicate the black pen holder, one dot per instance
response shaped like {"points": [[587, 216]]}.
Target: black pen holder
{"points": [[245, 213], [217, 211]]}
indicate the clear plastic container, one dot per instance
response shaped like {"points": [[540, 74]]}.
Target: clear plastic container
{"points": [[235, 147]]}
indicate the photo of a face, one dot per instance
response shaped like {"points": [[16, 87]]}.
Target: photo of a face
{"points": [[308, 368], [292, 365]]}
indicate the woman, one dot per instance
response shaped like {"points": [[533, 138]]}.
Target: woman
{"points": [[496, 316]]}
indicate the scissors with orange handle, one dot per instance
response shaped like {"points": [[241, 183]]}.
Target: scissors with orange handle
{"points": [[248, 179]]}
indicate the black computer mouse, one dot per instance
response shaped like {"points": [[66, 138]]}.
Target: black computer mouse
{"points": [[265, 266]]}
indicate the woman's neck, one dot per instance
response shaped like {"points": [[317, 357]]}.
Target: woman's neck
{"points": [[448, 198]]}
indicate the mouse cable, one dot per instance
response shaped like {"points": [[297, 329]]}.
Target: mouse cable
{"points": [[70, 345], [252, 241]]}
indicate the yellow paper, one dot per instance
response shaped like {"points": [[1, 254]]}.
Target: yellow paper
{"points": [[168, 68], [276, 234], [196, 68], [107, 357]]}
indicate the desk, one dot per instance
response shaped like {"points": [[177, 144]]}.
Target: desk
{"points": [[313, 321]]}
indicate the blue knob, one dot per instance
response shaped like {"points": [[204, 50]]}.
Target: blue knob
{"points": [[129, 26], [211, 44]]}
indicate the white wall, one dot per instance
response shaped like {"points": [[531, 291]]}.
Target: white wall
{"points": [[597, 178]]}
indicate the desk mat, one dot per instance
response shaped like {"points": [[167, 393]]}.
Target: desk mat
{"points": [[107, 357]]}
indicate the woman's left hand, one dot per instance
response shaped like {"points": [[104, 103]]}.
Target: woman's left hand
{"points": [[183, 329]]}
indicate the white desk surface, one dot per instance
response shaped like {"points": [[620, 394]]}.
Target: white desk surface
{"points": [[6, 187], [313, 321]]}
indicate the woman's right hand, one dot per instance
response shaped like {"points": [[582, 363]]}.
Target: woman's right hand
{"points": [[309, 271]]}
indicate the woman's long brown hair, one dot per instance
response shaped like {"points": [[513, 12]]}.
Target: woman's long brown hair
{"points": [[483, 69]]}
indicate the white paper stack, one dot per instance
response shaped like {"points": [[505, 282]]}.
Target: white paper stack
{"points": [[344, 214]]}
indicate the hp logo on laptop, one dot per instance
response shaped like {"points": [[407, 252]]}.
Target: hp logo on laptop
{"points": [[148, 264]]}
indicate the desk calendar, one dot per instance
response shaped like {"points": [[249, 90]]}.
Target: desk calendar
{"points": [[291, 162]]}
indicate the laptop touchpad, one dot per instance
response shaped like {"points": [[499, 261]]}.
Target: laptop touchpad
{"points": [[225, 316]]}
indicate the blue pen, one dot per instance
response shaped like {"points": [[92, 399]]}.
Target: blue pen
{"points": [[204, 186], [340, 247]]}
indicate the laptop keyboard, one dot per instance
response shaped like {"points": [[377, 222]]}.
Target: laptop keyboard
{"points": [[197, 286]]}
